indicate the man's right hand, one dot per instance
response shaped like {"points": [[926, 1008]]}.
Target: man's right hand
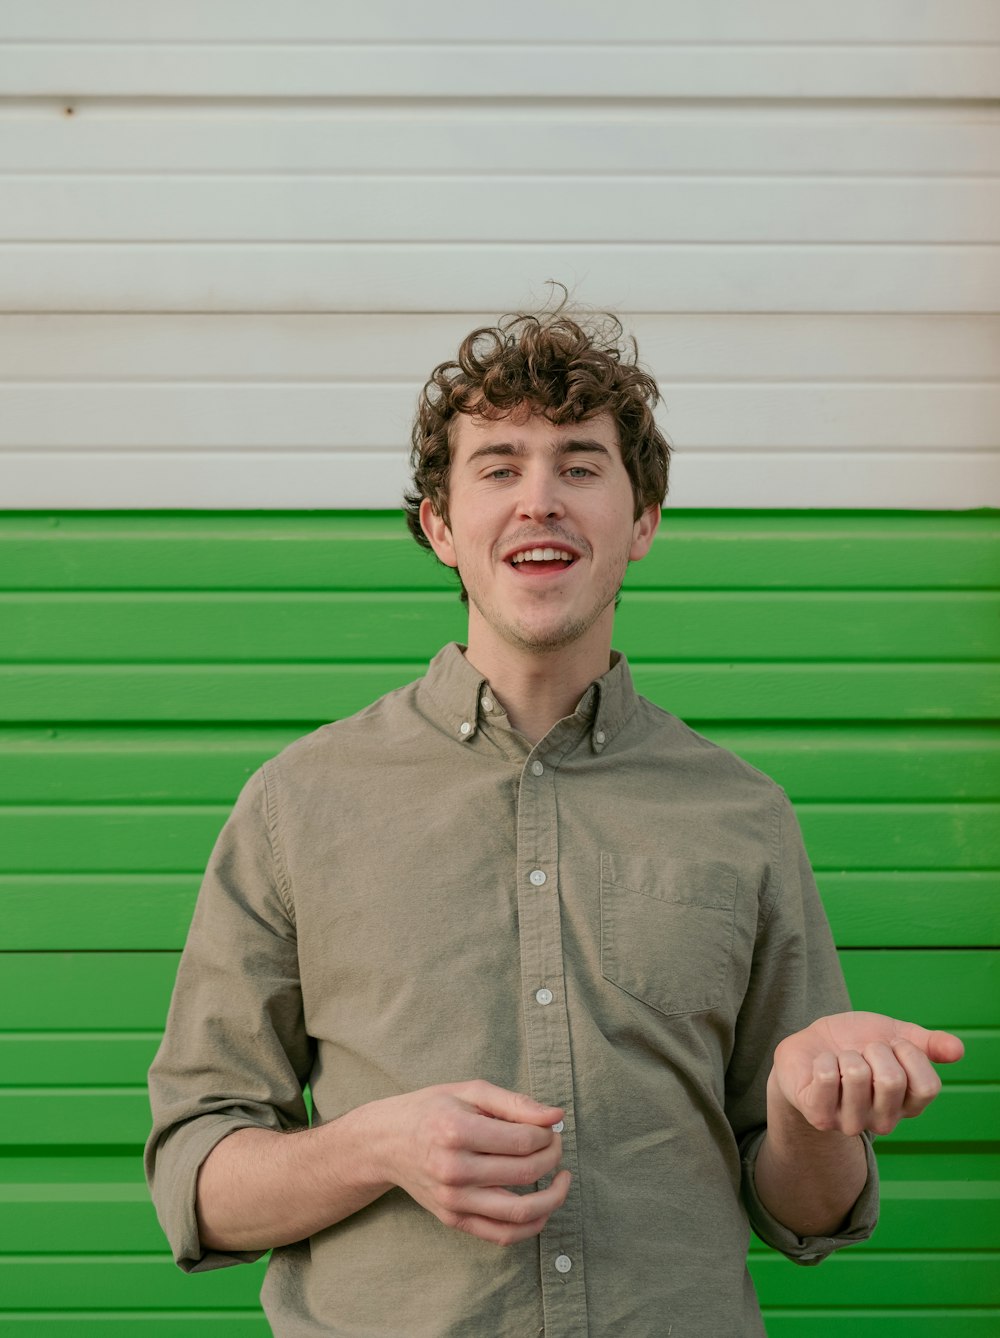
{"points": [[459, 1150], [462, 1149]]}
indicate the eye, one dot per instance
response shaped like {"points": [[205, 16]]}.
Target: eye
{"points": [[580, 472], [501, 472]]}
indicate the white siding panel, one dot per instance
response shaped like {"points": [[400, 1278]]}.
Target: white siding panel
{"points": [[555, 21], [652, 209], [510, 69], [695, 138], [163, 347], [136, 417], [234, 237], [957, 480], [472, 276]]}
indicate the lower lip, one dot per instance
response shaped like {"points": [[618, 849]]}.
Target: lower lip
{"points": [[553, 568]]}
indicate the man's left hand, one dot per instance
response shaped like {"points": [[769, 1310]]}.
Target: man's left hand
{"points": [[855, 1071]]}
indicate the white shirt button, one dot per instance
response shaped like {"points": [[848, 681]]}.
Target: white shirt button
{"points": [[464, 727], [543, 996], [486, 703], [559, 1126], [563, 1263], [537, 877], [537, 768], [600, 737]]}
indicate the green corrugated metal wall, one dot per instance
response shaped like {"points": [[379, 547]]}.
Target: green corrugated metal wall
{"points": [[149, 661]]}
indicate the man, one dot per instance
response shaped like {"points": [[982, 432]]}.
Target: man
{"points": [[553, 966]]}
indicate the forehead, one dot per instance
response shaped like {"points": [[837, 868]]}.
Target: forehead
{"points": [[528, 433]]}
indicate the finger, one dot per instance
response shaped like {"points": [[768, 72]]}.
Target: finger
{"points": [[889, 1085], [520, 1171], [922, 1082], [855, 1092], [517, 1107], [513, 1216], [819, 1100], [501, 1138], [498, 1233]]}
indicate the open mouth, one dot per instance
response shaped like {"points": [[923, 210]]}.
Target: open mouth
{"points": [[537, 561]]}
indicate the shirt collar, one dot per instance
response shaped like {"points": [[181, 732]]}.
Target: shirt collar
{"points": [[459, 697]]}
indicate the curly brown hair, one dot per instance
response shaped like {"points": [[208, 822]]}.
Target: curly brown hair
{"points": [[563, 368]]}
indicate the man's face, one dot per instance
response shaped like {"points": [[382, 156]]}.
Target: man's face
{"points": [[541, 528]]}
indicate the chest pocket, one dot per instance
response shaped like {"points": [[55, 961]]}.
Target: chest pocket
{"points": [[667, 930]]}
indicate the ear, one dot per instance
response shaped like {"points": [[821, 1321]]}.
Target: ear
{"points": [[438, 534], [643, 532]]}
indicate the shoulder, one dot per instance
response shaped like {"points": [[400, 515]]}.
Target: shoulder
{"points": [[671, 742], [368, 729]]}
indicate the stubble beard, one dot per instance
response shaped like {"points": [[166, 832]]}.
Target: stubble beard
{"points": [[552, 638]]}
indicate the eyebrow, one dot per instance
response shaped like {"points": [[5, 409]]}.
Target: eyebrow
{"points": [[573, 446]]}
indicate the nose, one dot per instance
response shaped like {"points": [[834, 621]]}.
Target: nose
{"points": [[539, 498]]}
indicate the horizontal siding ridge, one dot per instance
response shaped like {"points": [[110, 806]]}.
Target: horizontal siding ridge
{"points": [[395, 20]]}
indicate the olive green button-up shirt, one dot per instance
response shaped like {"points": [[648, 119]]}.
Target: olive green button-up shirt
{"points": [[620, 920]]}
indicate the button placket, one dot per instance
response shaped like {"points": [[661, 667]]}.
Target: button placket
{"points": [[545, 1019]]}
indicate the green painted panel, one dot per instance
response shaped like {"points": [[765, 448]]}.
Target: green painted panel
{"points": [[123, 764], [108, 1282], [64, 1059], [875, 762], [86, 991], [296, 627], [165, 764], [947, 1215], [97, 911], [940, 988], [911, 909], [118, 1116], [113, 839], [74, 1117], [129, 911], [89, 991], [862, 697], [876, 1323], [940, 1322], [902, 836], [132, 1323], [267, 693], [872, 1278], [176, 840], [120, 1059], [66, 1218], [372, 550]]}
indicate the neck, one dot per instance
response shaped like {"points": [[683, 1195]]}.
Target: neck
{"points": [[538, 688]]}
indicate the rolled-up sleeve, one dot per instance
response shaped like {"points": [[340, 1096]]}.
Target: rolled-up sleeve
{"points": [[795, 979], [860, 1223], [235, 1053]]}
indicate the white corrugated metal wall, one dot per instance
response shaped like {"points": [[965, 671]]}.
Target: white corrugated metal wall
{"points": [[235, 237]]}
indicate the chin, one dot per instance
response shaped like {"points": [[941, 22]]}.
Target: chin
{"points": [[549, 638]]}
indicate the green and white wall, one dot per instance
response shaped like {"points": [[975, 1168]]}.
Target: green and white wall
{"points": [[234, 238]]}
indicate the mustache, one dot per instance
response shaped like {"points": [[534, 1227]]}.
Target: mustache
{"points": [[549, 536]]}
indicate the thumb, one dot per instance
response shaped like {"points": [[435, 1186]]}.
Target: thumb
{"points": [[940, 1047], [944, 1048]]}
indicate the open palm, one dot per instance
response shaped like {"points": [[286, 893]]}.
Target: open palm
{"points": [[855, 1071]]}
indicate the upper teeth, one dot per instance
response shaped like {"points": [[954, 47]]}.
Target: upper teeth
{"points": [[541, 555]]}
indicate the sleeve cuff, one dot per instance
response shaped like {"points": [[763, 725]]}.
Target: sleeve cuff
{"points": [[178, 1161], [810, 1249]]}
